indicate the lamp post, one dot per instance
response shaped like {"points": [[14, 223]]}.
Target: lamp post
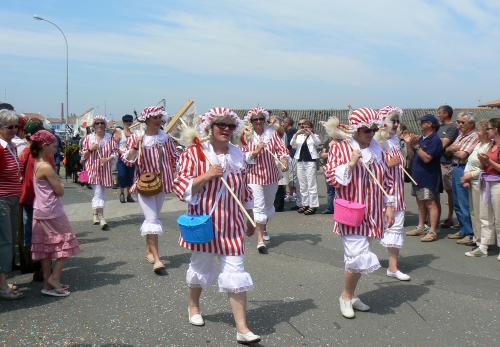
{"points": [[67, 70]]}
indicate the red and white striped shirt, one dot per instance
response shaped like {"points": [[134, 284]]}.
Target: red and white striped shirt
{"points": [[360, 187], [149, 161], [394, 150], [10, 170], [107, 147], [228, 219], [263, 169]]}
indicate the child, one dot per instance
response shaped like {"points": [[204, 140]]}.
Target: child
{"points": [[52, 234]]}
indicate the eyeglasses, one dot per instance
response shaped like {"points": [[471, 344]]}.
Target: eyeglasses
{"points": [[490, 128], [369, 130], [156, 117], [10, 127], [460, 122], [128, 121], [99, 123], [260, 119], [396, 121], [225, 126]]}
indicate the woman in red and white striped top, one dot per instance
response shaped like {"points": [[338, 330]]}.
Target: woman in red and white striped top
{"points": [[352, 182], [98, 150], [198, 182], [394, 236], [10, 190], [157, 150], [262, 148]]}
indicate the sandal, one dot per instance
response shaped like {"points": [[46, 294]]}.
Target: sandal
{"points": [[310, 210], [57, 292], [150, 259], [302, 209], [447, 224], [261, 247], [159, 268], [122, 198], [9, 294]]}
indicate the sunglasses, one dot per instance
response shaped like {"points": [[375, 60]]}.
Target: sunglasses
{"points": [[10, 127], [225, 126], [156, 117], [460, 122], [99, 123], [396, 121], [260, 119], [369, 130], [128, 121]]}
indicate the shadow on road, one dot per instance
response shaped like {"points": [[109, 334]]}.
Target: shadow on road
{"points": [[412, 262], [176, 261], [312, 239]]}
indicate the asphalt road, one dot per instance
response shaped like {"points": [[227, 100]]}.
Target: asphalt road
{"points": [[117, 300]]}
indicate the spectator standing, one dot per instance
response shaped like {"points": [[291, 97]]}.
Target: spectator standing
{"points": [[330, 190], [426, 171], [447, 132], [125, 173], [290, 130], [460, 150]]}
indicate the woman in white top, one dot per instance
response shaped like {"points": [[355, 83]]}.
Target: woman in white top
{"points": [[306, 142], [470, 179]]}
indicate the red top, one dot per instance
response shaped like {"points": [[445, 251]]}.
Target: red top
{"points": [[494, 154], [27, 191], [10, 171]]}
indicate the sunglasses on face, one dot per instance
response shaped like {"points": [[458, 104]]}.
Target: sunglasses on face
{"points": [[99, 123], [127, 121], [460, 122], [369, 130], [223, 126], [396, 121], [260, 119], [10, 127]]}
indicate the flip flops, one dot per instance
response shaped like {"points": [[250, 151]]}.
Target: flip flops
{"points": [[150, 260], [56, 292], [9, 294]]}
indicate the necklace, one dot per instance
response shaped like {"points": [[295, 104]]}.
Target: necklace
{"points": [[14, 155]]}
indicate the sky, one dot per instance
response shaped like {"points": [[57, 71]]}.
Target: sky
{"points": [[125, 55]]}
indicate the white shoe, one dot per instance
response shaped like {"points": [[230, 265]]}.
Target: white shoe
{"points": [[476, 252], [247, 338], [346, 308], [498, 257], [266, 236], [95, 218], [359, 305], [196, 319], [399, 275], [103, 223]]}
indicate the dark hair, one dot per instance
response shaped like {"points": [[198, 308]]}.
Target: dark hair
{"points": [[290, 120], [6, 106], [35, 149], [495, 123], [286, 115], [447, 109], [128, 118]]}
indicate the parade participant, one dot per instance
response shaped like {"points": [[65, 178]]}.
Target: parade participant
{"points": [[199, 183], [347, 171], [98, 150], [263, 171], [152, 152], [125, 173], [394, 235], [52, 237], [305, 143], [10, 189]]}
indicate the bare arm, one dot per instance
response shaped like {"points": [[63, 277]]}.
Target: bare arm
{"points": [[46, 171], [426, 158]]}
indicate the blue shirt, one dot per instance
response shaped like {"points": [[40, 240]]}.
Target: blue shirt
{"points": [[428, 175]]}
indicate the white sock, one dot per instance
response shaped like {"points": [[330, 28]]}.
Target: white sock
{"points": [[483, 248]]}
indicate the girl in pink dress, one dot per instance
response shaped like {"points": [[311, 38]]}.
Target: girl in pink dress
{"points": [[53, 237]]}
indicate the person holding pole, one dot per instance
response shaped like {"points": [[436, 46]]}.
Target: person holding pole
{"points": [[208, 176], [359, 172]]}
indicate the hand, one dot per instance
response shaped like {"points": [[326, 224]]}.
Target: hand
{"points": [[394, 161], [410, 139], [466, 185], [284, 167], [250, 229], [260, 148], [452, 149], [93, 147], [483, 158], [467, 177], [103, 161], [389, 216], [215, 171], [355, 156]]}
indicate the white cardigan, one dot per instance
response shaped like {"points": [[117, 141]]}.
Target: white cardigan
{"points": [[313, 142]]}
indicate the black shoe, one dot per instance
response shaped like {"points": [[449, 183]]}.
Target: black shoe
{"points": [[130, 198], [122, 198], [294, 208], [310, 211], [303, 209], [262, 249]]}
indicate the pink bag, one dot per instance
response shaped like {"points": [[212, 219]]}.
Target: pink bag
{"points": [[348, 212], [83, 177]]}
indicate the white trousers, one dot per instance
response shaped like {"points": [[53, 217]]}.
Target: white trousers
{"points": [[308, 185], [395, 235], [489, 215], [151, 207], [99, 196], [358, 254], [231, 275], [263, 202]]}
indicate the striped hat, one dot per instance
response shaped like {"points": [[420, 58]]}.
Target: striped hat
{"points": [[152, 111], [384, 111], [363, 117], [98, 117], [255, 111], [208, 117]]}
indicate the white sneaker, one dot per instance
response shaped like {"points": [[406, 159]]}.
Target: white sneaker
{"points": [[476, 252], [399, 275], [346, 308], [498, 257], [359, 305], [266, 236], [196, 319], [247, 338], [288, 198]]}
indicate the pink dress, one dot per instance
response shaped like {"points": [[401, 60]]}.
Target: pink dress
{"points": [[53, 236]]}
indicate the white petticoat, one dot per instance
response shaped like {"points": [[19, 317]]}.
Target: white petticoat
{"points": [[358, 256], [231, 277], [99, 195], [151, 207], [394, 236]]}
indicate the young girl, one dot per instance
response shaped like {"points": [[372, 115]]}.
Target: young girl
{"points": [[52, 236]]}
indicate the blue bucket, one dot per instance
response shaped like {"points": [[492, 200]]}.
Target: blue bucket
{"points": [[196, 229]]}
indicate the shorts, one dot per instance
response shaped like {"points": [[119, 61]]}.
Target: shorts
{"points": [[423, 193], [446, 174]]}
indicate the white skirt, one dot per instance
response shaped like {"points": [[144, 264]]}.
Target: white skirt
{"points": [[151, 207], [358, 256], [395, 235], [231, 275]]}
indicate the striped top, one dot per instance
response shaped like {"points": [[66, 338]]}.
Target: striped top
{"points": [[466, 143], [10, 170], [358, 186], [394, 150], [107, 147], [263, 169], [228, 219], [149, 162]]}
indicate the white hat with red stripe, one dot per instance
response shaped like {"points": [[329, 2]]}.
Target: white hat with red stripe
{"points": [[152, 111], [98, 117], [384, 111], [364, 117], [208, 118], [255, 112]]}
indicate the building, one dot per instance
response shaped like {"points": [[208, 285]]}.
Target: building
{"points": [[492, 104]]}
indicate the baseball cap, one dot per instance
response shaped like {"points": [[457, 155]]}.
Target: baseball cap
{"points": [[430, 118]]}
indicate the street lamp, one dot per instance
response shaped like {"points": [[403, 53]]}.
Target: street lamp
{"points": [[67, 70]]}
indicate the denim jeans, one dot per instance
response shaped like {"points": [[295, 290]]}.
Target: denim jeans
{"points": [[461, 202], [330, 191], [28, 223]]}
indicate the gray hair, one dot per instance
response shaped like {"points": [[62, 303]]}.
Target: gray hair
{"points": [[8, 117], [470, 117]]}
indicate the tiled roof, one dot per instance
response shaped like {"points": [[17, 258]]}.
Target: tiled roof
{"points": [[492, 103], [33, 115], [410, 115]]}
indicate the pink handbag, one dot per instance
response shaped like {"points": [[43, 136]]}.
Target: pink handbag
{"points": [[83, 177]]}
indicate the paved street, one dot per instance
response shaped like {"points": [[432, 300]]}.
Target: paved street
{"points": [[117, 299]]}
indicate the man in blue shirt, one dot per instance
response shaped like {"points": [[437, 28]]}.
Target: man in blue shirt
{"points": [[426, 170]]}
